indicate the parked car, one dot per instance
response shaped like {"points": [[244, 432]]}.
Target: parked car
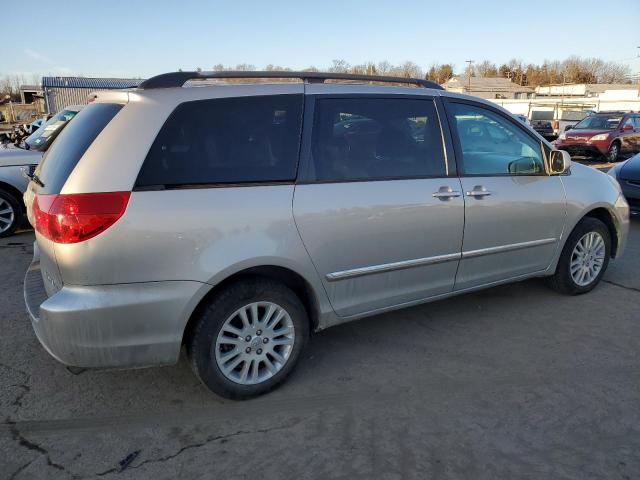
{"points": [[627, 173], [241, 217], [35, 125], [567, 120], [522, 118], [611, 134], [542, 122], [13, 162]]}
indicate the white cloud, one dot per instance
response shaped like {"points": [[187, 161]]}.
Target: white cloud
{"points": [[51, 67], [36, 55], [62, 71]]}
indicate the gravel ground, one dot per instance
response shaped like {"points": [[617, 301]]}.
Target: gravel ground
{"points": [[513, 382]]}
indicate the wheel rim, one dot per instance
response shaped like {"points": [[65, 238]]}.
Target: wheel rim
{"points": [[254, 343], [7, 215], [613, 151], [587, 259]]}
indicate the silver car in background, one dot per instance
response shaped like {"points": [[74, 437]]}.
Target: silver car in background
{"points": [[15, 161], [241, 217]]}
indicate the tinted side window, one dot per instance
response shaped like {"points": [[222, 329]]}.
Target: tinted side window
{"points": [[491, 144], [229, 140], [66, 151], [374, 138]]}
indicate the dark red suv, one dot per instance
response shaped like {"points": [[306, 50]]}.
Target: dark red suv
{"points": [[611, 134]]}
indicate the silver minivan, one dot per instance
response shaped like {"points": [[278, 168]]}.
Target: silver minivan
{"points": [[241, 217]]}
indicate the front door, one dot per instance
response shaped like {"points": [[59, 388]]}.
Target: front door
{"points": [[515, 212], [376, 210]]}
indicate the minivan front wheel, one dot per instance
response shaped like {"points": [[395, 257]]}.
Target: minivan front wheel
{"points": [[248, 339], [584, 258]]}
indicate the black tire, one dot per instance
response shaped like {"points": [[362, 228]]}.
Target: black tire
{"points": [[562, 281], [613, 154], [201, 343], [16, 217]]}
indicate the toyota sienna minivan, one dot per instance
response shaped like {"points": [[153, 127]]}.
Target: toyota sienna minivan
{"points": [[242, 217]]}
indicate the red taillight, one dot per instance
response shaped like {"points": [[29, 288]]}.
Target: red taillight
{"points": [[73, 218]]}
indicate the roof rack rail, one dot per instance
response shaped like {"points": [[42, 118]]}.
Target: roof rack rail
{"points": [[178, 79]]}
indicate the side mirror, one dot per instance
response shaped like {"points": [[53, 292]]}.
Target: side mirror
{"points": [[627, 127], [568, 127], [560, 162]]}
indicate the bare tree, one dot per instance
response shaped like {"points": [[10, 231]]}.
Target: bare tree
{"points": [[339, 66], [486, 69]]}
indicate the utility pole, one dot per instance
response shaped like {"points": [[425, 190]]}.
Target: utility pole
{"points": [[470, 62], [638, 73]]}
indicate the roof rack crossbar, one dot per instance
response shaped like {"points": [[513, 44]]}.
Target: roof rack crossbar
{"points": [[178, 79]]}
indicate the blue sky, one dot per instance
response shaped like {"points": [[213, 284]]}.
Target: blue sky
{"points": [[142, 38]]}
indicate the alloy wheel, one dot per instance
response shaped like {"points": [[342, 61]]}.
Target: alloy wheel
{"points": [[587, 259], [254, 343], [7, 215]]}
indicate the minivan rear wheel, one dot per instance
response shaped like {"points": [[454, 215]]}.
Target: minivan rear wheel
{"points": [[11, 215], [247, 340], [584, 258]]}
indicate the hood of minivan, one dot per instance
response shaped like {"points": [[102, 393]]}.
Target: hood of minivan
{"points": [[19, 156], [630, 169]]}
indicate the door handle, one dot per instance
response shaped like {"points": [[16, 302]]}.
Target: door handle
{"points": [[478, 191], [445, 193]]}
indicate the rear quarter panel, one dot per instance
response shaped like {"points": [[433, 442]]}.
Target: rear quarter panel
{"points": [[203, 234]]}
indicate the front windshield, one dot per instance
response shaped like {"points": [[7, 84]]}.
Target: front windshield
{"points": [[599, 122], [44, 136]]}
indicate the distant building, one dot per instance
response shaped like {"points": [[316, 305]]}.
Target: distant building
{"points": [[490, 88], [581, 89], [59, 92]]}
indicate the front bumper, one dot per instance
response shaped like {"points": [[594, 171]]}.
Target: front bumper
{"points": [[582, 149], [111, 326]]}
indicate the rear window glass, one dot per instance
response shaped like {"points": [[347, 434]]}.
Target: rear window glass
{"points": [[65, 152], [226, 141], [541, 115], [47, 133]]}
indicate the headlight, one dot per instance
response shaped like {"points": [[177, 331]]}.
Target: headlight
{"points": [[602, 136], [563, 136]]}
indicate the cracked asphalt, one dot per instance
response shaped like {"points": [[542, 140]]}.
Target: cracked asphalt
{"points": [[512, 382]]}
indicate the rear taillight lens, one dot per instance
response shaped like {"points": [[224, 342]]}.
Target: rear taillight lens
{"points": [[73, 218]]}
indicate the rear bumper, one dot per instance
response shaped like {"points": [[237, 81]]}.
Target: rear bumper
{"points": [[111, 326]]}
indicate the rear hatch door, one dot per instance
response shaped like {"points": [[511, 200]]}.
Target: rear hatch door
{"points": [[54, 170]]}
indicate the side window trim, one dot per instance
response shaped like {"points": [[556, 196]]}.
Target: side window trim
{"points": [[457, 147], [306, 167]]}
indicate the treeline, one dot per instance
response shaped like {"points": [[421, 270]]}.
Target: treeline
{"points": [[572, 70]]}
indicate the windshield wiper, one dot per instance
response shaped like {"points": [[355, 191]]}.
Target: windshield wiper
{"points": [[32, 176]]}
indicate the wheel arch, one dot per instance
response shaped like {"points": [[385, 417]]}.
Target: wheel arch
{"points": [[14, 192], [290, 278], [608, 218]]}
